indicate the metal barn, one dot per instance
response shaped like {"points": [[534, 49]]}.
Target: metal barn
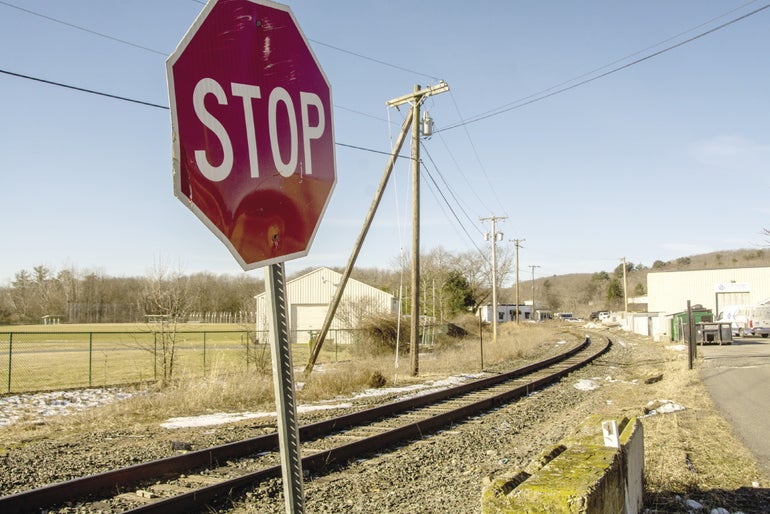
{"points": [[308, 298]]}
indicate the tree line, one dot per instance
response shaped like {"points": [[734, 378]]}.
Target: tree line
{"points": [[76, 296], [451, 283]]}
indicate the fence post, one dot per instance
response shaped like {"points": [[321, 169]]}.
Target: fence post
{"points": [[155, 355], [204, 353], [10, 355], [90, 356], [690, 335], [247, 349]]}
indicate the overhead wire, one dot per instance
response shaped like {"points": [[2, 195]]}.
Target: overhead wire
{"points": [[622, 59], [479, 162], [449, 189], [84, 29], [82, 89], [157, 106], [446, 202], [529, 100]]}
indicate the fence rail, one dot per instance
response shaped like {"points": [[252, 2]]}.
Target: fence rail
{"points": [[42, 361]]}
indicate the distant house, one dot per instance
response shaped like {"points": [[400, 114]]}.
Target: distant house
{"points": [[309, 296]]}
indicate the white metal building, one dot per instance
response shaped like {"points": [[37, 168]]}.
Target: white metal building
{"points": [[308, 298], [505, 312], [668, 291]]}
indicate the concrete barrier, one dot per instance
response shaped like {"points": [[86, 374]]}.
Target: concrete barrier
{"points": [[580, 475]]}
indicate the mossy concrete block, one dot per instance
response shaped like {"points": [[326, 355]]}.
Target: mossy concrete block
{"points": [[581, 475]]}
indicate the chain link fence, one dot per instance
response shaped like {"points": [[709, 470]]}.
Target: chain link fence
{"points": [[42, 361]]}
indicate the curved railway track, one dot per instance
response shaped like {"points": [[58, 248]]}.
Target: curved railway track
{"points": [[192, 481]]}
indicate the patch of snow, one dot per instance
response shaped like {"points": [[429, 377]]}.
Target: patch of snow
{"points": [[662, 407], [221, 418], [586, 385], [677, 347], [34, 407], [419, 389]]}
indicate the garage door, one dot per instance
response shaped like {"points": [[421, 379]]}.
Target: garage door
{"points": [[306, 318]]}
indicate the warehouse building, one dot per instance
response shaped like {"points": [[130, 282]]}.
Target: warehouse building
{"points": [[669, 291]]}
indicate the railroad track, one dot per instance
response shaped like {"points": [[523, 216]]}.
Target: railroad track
{"points": [[192, 481]]}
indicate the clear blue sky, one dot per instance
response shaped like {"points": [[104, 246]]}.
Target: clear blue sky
{"points": [[665, 158]]}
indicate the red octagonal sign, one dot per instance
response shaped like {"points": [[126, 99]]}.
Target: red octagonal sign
{"points": [[253, 142]]}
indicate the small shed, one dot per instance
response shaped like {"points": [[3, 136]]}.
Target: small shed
{"points": [[308, 298]]}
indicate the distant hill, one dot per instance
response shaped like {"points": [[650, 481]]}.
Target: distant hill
{"points": [[583, 293]]}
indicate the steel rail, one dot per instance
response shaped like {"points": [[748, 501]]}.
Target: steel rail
{"points": [[211, 457], [188, 502]]}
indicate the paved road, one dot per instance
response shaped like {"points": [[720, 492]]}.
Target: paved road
{"points": [[737, 378]]}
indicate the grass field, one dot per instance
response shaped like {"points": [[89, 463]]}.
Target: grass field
{"points": [[45, 357]]}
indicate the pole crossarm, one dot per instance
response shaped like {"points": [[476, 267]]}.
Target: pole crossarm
{"points": [[441, 87]]}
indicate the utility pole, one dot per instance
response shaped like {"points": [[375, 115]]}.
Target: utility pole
{"points": [[517, 244], [533, 287], [321, 336], [494, 238], [415, 99]]}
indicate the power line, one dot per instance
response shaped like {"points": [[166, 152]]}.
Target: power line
{"points": [[84, 90], [150, 104], [451, 192], [523, 103], [78, 27], [476, 154], [454, 214], [378, 61]]}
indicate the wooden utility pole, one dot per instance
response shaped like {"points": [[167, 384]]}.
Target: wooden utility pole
{"points": [[493, 237], [415, 99], [319, 339], [517, 244]]}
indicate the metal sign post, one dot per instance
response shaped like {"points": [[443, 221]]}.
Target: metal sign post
{"points": [[283, 384]]}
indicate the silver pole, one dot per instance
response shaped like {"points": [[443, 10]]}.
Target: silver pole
{"points": [[283, 384]]}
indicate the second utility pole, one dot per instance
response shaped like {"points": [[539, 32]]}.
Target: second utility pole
{"points": [[517, 243], [416, 99], [494, 238]]}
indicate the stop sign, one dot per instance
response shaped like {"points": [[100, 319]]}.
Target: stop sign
{"points": [[252, 133]]}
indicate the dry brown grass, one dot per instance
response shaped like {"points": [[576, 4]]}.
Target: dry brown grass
{"points": [[693, 453]]}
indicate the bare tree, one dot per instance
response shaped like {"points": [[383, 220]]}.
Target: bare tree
{"points": [[477, 270], [167, 301]]}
